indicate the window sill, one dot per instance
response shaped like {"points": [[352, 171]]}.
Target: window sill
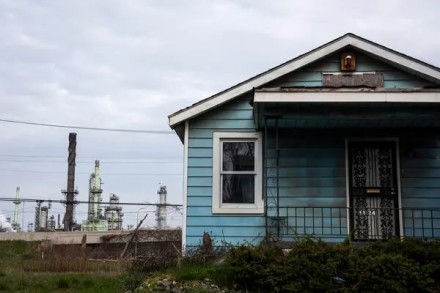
{"points": [[238, 209]]}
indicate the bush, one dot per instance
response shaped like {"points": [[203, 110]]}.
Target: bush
{"points": [[314, 266], [389, 272], [395, 266]]}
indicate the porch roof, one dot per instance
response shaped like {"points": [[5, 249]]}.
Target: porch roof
{"points": [[346, 108]]}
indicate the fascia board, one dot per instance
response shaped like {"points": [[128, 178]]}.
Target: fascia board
{"points": [[256, 82], [295, 64], [396, 58], [347, 97]]}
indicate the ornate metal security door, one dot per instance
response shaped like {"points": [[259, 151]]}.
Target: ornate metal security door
{"points": [[373, 190]]}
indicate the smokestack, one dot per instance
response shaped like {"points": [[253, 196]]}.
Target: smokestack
{"points": [[70, 192], [161, 212]]}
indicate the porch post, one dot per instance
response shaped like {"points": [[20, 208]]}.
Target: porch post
{"points": [[277, 150], [265, 176]]}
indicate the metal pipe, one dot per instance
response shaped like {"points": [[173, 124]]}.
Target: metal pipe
{"points": [[277, 175]]}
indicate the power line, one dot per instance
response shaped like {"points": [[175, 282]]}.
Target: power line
{"points": [[84, 201], [86, 157], [87, 127], [88, 173], [88, 162]]}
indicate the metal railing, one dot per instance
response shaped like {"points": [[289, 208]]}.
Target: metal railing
{"points": [[359, 224]]}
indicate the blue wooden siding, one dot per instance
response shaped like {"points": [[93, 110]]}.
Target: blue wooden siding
{"points": [[311, 174], [311, 171], [234, 116], [311, 75], [420, 177]]}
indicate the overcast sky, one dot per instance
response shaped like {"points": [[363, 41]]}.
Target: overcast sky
{"points": [[129, 64]]}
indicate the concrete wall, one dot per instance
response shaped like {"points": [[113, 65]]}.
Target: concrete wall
{"points": [[60, 237]]}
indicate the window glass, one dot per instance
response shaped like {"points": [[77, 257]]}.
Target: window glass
{"points": [[237, 173], [238, 188], [238, 156]]}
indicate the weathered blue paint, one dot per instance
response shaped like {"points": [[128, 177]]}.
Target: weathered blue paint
{"points": [[311, 171], [302, 180], [311, 76], [235, 116]]}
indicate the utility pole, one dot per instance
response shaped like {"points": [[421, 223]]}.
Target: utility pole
{"points": [[70, 193]]}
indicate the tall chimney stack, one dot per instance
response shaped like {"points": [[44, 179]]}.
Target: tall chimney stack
{"points": [[70, 192]]}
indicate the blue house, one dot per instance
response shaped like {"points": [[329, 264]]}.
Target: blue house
{"points": [[340, 142]]}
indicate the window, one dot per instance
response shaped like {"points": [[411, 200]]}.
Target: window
{"points": [[237, 168]]}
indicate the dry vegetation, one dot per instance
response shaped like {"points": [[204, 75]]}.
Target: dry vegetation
{"points": [[23, 269]]}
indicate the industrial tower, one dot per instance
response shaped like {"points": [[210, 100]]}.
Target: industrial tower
{"points": [[95, 220], [113, 213], [70, 192], [161, 210], [42, 223], [95, 197], [15, 225]]}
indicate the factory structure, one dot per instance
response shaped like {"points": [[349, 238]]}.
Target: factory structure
{"points": [[161, 209], [111, 219], [43, 223], [99, 218], [15, 225], [113, 213]]}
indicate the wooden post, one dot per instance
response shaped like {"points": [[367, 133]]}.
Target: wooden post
{"points": [[132, 236]]}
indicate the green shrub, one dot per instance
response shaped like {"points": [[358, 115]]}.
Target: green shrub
{"points": [[389, 273], [395, 266], [256, 268], [314, 266]]}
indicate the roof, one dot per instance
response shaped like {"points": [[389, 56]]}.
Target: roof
{"points": [[380, 52]]}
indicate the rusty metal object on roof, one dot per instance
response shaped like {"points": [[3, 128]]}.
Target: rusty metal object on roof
{"points": [[348, 61], [373, 80]]}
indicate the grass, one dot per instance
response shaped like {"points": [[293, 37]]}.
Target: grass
{"points": [[71, 270], [63, 282], [23, 270], [194, 270]]}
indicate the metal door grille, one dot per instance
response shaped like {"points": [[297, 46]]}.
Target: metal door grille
{"points": [[373, 195]]}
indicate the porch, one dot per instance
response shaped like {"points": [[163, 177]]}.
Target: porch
{"points": [[363, 171], [332, 224]]}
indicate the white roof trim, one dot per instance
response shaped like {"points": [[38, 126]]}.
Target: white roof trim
{"points": [[297, 63], [347, 97]]}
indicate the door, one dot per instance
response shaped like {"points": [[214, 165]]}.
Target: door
{"points": [[373, 191]]}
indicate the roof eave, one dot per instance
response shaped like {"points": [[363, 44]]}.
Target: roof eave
{"points": [[417, 66]]}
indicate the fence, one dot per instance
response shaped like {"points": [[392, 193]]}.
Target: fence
{"points": [[360, 224]]}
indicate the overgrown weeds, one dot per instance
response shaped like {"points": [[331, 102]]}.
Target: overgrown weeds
{"points": [[22, 269]]}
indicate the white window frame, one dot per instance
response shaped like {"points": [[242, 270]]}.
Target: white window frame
{"points": [[236, 208]]}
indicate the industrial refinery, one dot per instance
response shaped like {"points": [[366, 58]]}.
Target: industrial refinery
{"points": [[96, 220], [99, 218]]}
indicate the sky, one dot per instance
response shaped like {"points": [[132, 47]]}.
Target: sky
{"points": [[130, 64]]}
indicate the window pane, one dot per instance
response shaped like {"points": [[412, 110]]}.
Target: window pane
{"points": [[238, 188], [238, 156]]}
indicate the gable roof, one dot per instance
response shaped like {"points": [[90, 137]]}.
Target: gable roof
{"points": [[380, 52]]}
